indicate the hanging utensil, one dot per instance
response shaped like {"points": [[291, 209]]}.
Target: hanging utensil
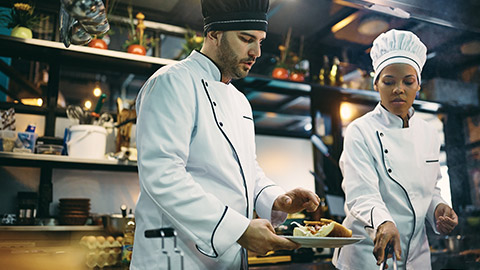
{"points": [[104, 119], [123, 208], [164, 250], [177, 250], [100, 102], [80, 18], [389, 249]]}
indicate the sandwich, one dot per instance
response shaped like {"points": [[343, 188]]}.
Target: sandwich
{"points": [[322, 228]]}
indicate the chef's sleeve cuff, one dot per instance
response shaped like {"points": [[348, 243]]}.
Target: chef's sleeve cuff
{"points": [[228, 231], [378, 216], [264, 204]]}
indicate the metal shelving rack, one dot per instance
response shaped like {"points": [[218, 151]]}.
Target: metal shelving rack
{"points": [[56, 55]]}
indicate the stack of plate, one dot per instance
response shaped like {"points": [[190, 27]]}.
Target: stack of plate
{"points": [[74, 211]]}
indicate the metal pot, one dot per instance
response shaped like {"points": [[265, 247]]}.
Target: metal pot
{"points": [[454, 243], [114, 224]]}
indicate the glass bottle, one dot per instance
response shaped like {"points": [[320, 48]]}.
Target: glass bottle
{"points": [[323, 78], [128, 237]]}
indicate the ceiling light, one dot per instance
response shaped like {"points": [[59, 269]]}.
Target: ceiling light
{"points": [[307, 127], [88, 104], [32, 101], [97, 91], [373, 26], [470, 48], [346, 111], [341, 24]]}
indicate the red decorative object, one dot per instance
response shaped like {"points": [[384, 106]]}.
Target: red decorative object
{"points": [[280, 73], [98, 43], [297, 76], [137, 49]]}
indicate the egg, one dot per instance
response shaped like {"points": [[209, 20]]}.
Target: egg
{"points": [[100, 240], [110, 239], [91, 239], [119, 239]]}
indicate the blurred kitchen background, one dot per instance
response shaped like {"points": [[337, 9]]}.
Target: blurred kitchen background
{"points": [[314, 77]]}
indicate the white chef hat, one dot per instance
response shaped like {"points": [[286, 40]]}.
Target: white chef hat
{"points": [[396, 46]]}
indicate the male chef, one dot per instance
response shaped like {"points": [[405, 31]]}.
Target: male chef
{"points": [[196, 153]]}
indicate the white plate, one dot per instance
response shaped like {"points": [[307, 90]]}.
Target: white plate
{"points": [[324, 242]]}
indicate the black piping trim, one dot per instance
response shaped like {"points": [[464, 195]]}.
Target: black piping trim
{"points": [[400, 56], [255, 200], [219, 70], [231, 145], [431, 161], [213, 234], [406, 194], [246, 117], [371, 220]]}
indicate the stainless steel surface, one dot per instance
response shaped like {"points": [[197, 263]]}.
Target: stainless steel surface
{"points": [[51, 228], [164, 251], [114, 225], [388, 250], [454, 243]]}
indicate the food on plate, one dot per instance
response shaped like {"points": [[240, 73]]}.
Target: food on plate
{"points": [[322, 228]]}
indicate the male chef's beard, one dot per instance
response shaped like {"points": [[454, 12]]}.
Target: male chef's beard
{"points": [[230, 64]]}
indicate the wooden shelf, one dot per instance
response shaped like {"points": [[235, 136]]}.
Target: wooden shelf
{"points": [[63, 162], [63, 228]]}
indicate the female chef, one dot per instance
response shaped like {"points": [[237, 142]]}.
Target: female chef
{"points": [[390, 164]]}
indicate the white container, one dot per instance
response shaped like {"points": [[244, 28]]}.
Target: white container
{"points": [[87, 141]]}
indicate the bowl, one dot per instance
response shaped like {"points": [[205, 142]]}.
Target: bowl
{"points": [[49, 149]]}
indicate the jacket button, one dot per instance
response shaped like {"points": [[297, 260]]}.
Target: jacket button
{"points": [[386, 151], [389, 170], [221, 124], [214, 104], [381, 134]]}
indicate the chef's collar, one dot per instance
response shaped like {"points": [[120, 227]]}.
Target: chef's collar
{"points": [[207, 65], [393, 119]]}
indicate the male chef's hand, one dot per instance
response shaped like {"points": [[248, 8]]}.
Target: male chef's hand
{"points": [[446, 218], [296, 200], [387, 233], [260, 238]]}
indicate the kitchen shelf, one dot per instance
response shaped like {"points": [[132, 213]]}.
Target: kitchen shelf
{"points": [[264, 83], [63, 228], [63, 162], [44, 50], [372, 98]]}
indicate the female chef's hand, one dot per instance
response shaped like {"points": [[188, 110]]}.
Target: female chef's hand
{"points": [[260, 238], [387, 233], [296, 200], [446, 218]]}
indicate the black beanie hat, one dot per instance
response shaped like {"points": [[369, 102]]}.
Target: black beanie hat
{"points": [[226, 15]]}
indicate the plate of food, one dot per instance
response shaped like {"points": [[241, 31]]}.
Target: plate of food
{"points": [[324, 233]]}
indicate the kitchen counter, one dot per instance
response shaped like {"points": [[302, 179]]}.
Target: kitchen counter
{"points": [[320, 265]]}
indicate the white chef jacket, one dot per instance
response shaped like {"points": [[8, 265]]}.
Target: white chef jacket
{"points": [[197, 168], [390, 174]]}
